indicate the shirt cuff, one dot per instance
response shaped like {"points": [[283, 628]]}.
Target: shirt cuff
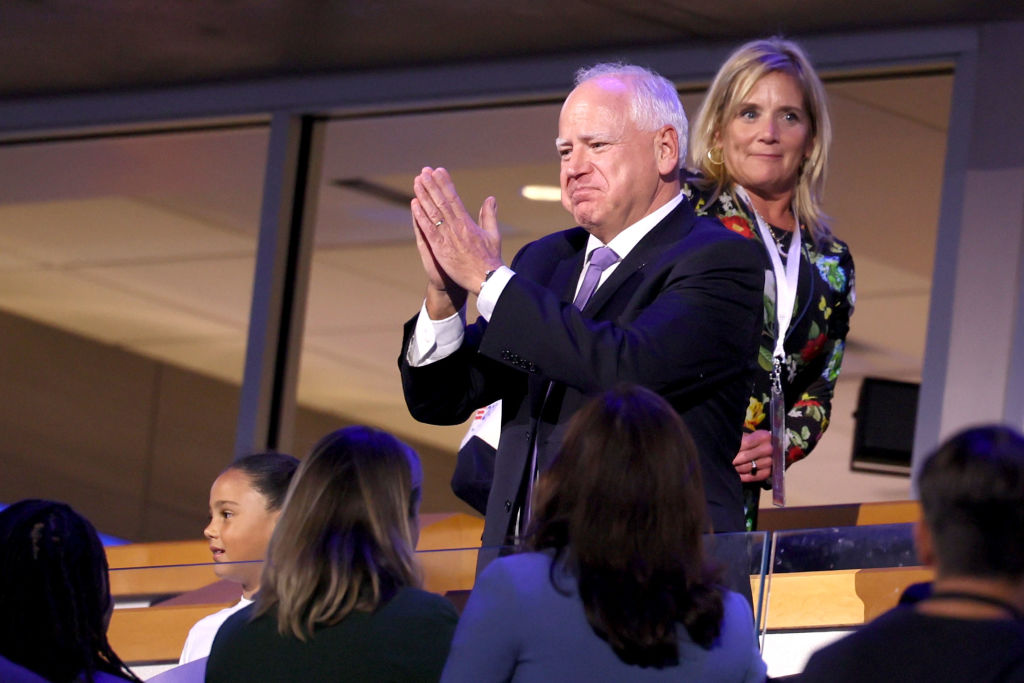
{"points": [[492, 289], [433, 340]]}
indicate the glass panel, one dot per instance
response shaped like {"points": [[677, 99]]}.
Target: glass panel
{"points": [[825, 582], [366, 277], [855, 547], [143, 586], [889, 144], [444, 570], [155, 606], [126, 267], [744, 560]]}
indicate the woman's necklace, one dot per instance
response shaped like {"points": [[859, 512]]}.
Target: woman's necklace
{"points": [[781, 237]]}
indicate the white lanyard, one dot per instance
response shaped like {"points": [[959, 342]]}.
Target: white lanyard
{"points": [[786, 279]]}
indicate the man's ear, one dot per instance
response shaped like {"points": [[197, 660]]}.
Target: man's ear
{"points": [[666, 150], [924, 544]]}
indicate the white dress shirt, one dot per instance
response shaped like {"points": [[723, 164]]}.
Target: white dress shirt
{"points": [[433, 340]]}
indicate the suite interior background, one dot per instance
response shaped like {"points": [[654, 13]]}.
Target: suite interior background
{"points": [[143, 242]]}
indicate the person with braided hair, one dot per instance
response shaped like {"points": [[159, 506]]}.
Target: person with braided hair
{"points": [[55, 602]]}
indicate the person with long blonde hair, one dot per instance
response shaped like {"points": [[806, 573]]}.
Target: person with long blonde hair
{"points": [[759, 151], [339, 597]]}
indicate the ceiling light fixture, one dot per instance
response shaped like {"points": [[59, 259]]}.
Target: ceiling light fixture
{"points": [[542, 193]]}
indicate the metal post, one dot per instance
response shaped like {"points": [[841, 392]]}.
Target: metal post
{"points": [[280, 284]]}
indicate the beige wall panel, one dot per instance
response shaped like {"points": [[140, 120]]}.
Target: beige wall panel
{"points": [[75, 421], [194, 439], [113, 510], [311, 426], [131, 443]]}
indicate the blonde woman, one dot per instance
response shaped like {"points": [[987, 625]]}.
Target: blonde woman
{"points": [[759, 147], [339, 598]]}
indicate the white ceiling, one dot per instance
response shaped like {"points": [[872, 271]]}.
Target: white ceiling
{"points": [[147, 241]]}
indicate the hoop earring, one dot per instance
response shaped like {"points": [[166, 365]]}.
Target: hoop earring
{"points": [[721, 156]]}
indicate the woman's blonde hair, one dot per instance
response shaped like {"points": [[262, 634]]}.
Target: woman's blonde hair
{"points": [[345, 538], [734, 81]]}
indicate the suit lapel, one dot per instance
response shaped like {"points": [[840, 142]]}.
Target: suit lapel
{"points": [[566, 274], [562, 280], [670, 230]]}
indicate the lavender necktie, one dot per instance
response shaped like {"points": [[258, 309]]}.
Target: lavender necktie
{"points": [[600, 258]]}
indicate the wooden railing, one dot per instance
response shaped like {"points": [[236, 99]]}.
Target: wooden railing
{"points": [[798, 600], [180, 576], [849, 514]]}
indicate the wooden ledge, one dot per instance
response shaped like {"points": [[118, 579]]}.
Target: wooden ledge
{"points": [[824, 516], [834, 599]]}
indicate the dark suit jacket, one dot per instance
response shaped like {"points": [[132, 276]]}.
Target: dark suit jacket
{"points": [[681, 315]]}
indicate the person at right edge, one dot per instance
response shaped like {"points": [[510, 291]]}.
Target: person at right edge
{"points": [[968, 623], [759, 149]]}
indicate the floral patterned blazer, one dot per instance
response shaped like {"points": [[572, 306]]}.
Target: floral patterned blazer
{"points": [[816, 336]]}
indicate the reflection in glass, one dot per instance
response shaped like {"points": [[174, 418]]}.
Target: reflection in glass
{"points": [[855, 547], [126, 267]]}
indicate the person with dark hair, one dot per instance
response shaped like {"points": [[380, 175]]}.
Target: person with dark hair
{"points": [[55, 598], [339, 598], [759, 148], [245, 502], [617, 587], [970, 625], [641, 291]]}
